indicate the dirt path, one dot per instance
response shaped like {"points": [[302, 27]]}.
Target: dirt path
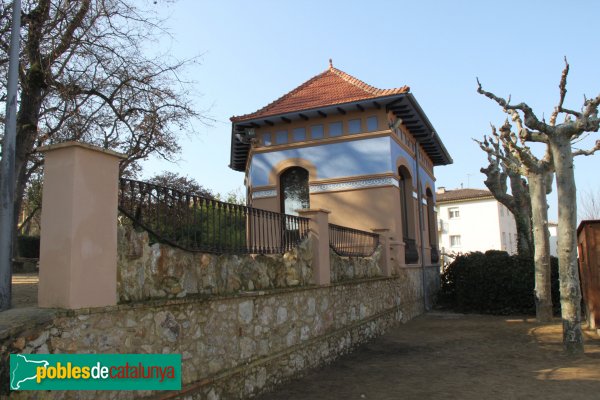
{"points": [[24, 289], [450, 356]]}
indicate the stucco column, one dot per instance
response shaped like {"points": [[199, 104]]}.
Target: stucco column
{"points": [[78, 249], [319, 231], [385, 262], [398, 252]]}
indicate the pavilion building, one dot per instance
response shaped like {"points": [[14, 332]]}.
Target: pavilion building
{"points": [[337, 143]]}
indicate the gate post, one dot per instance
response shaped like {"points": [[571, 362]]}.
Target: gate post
{"points": [[385, 262], [319, 231], [78, 249]]}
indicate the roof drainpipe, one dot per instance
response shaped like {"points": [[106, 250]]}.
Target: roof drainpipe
{"points": [[426, 304]]}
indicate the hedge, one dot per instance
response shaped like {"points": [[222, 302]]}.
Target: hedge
{"points": [[493, 283], [28, 246]]}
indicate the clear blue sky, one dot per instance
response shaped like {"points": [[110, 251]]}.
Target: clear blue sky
{"points": [[255, 51]]}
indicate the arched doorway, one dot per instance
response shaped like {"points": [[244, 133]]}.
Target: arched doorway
{"points": [[294, 194]]}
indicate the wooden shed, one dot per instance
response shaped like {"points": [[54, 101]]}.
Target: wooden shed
{"points": [[588, 243]]}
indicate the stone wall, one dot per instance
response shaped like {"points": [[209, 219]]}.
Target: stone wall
{"points": [[150, 271], [348, 268], [232, 346], [147, 271], [242, 324]]}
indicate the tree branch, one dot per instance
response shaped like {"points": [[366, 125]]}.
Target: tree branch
{"points": [[67, 36], [580, 152], [531, 120], [562, 86]]}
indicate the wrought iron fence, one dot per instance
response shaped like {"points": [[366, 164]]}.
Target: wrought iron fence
{"points": [[199, 224], [351, 242]]}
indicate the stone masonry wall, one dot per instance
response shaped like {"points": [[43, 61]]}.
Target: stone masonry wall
{"points": [[161, 271], [348, 268], [157, 271], [242, 324], [232, 346]]}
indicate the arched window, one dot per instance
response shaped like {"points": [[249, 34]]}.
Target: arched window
{"points": [[411, 254], [406, 202], [432, 226], [294, 190]]}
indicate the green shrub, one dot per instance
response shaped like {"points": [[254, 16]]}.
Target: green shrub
{"points": [[493, 283], [28, 246]]}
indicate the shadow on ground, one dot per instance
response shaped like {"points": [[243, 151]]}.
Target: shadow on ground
{"points": [[454, 356], [25, 289]]}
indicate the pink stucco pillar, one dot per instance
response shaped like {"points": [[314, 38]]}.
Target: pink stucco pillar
{"points": [[78, 249], [319, 231], [385, 261]]}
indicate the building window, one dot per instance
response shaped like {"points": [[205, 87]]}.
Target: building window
{"points": [[408, 214], [503, 244], [299, 134], [501, 210], [267, 139], [372, 124], [335, 129], [454, 240], [316, 132], [431, 227], [453, 213], [354, 126], [281, 137], [294, 190], [406, 203]]}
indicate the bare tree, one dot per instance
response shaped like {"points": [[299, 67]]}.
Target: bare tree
{"points": [[181, 183], [32, 207], [499, 170], [589, 204], [84, 75], [559, 137], [519, 160]]}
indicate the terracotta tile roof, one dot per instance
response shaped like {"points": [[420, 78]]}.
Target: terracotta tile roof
{"points": [[462, 194], [330, 87]]}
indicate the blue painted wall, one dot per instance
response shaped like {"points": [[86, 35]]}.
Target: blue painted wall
{"points": [[335, 160], [399, 151], [339, 160]]}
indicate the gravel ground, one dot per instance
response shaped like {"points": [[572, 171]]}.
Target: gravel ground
{"points": [[455, 356], [24, 289]]}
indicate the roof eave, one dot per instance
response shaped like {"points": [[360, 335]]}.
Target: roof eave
{"points": [[490, 197], [238, 126], [430, 140], [432, 129], [242, 120]]}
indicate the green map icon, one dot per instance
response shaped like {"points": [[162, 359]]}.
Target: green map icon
{"points": [[95, 371], [23, 369]]}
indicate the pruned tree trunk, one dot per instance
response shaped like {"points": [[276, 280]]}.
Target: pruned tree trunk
{"points": [[559, 137], [497, 175], [570, 291], [539, 215], [522, 213]]}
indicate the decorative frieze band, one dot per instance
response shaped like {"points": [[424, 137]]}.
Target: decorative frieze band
{"points": [[264, 194], [336, 186], [361, 184]]}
